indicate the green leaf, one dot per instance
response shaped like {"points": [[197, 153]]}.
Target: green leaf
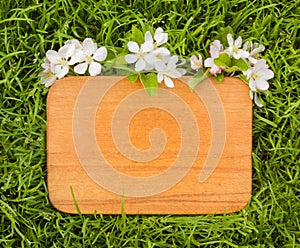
{"points": [[194, 81], [133, 78], [223, 60], [137, 35], [149, 82], [240, 63], [219, 78]]}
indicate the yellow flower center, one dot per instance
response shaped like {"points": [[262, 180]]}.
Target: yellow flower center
{"points": [[140, 53], [235, 49], [88, 59], [63, 62], [255, 76], [159, 56]]}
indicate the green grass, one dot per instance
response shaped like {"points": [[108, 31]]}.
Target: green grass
{"points": [[28, 28]]}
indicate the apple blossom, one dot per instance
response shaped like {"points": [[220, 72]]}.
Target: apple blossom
{"points": [[88, 55], [167, 71], [254, 49], [62, 59], [196, 63], [138, 54], [234, 48], [215, 49]]}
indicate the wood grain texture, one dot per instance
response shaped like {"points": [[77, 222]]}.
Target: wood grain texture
{"points": [[228, 188]]}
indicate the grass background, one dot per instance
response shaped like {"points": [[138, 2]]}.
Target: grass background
{"points": [[28, 28]]}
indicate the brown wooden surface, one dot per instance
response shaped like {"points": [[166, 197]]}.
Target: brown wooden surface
{"points": [[227, 189]]}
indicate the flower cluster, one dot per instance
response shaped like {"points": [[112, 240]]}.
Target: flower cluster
{"points": [[151, 57], [153, 63], [85, 56], [237, 57]]}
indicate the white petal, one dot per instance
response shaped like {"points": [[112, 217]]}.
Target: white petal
{"points": [[252, 84], [62, 72], [214, 52], [100, 54], [75, 42], [165, 58], [151, 58], [147, 47], [257, 101], [261, 64], [160, 66], [257, 50], [160, 37], [89, 47], [262, 84], [243, 54], [230, 39], [209, 62], [149, 67], [140, 65], [251, 94], [174, 74], [246, 46], [267, 74], [49, 80], [168, 82], [81, 68], [193, 59], [252, 60], [94, 69], [159, 30], [162, 50], [172, 62], [148, 37], [53, 56], [77, 58], [217, 44], [131, 58], [238, 41], [160, 77], [67, 51], [133, 47]]}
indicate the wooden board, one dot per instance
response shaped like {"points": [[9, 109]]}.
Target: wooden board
{"points": [[178, 152]]}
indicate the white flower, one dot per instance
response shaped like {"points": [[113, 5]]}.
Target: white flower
{"points": [[254, 49], [196, 63], [159, 36], [158, 53], [258, 76], [62, 59], [215, 49], [234, 48], [167, 71], [138, 54], [48, 78], [88, 55], [49, 75]]}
